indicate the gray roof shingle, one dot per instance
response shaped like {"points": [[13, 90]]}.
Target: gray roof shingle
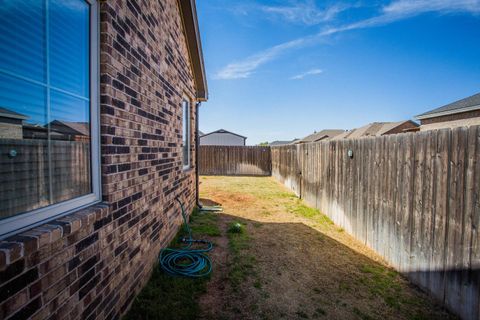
{"points": [[280, 143], [321, 135], [374, 129], [82, 128], [223, 131], [7, 113], [455, 107]]}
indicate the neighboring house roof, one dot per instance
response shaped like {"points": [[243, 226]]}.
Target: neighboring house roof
{"points": [[200, 133], [223, 131], [321, 135], [39, 128], [463, 105], [388, 126], [375, 129], [343, 135], [6, 113], [79, 128], [370, 129], [280, 143], [192, 34]]}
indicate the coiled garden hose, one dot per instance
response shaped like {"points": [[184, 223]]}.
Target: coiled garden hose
{"points": [[187, 262]]}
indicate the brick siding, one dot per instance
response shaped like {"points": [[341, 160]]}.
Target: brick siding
{"points": [[91, 264], [452, 117], [402, 128]]}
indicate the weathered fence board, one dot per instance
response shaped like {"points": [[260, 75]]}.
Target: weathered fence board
{"points": [[33, 179], [414, 198], [235, 160]]}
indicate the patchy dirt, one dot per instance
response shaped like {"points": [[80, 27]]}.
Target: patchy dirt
{"points": [[293, 263], [216, 287]]}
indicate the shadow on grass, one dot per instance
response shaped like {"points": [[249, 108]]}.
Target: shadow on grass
{"points": [[284, 271], [168, 297], [292, 271], [171, 297]]}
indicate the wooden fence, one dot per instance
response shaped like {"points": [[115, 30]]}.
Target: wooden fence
{"points": [[414, 198], [25, 179], [235, 160]]}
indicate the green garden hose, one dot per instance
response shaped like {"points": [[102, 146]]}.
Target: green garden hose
{"points": [[187, 262]]}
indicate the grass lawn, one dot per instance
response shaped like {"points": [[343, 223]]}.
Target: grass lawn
{"points": [[167, 297], [276, 258]]}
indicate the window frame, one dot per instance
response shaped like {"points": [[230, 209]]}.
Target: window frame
{"points": [[186, 101], [30, 219]]}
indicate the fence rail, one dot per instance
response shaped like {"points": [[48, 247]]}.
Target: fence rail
{"points": [[235, 160], [413, 198]]}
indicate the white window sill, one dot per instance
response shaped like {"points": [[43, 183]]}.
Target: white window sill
{"points": [[24, 221]]}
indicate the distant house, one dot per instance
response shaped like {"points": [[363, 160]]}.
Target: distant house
{"points": [[39, 132], [282, 142], [464, 112], [222, 138], [321, 135], [73, 131], [377, 129], [11, 124]]}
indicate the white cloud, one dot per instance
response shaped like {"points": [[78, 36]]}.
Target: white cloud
{"points": [[307, 73], [415, 7], [395, 11], [403, 9], [244, 68], [305, 12]]}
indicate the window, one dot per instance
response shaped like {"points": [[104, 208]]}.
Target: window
{"points": [[48, 110], [186, 134]]}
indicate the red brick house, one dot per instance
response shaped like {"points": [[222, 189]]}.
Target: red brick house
{"points": [[82, 220]]}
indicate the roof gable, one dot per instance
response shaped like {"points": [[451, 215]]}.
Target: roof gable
{"points": [[81, 128], [326, 133], [374, 129], [388, 126], [224, 131], [280, 142]]}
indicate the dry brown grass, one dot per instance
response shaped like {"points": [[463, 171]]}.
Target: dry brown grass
{"points": [[291, 262]]}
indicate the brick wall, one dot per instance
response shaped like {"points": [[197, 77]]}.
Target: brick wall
{"points": [[451, 124], [401, 128], [90, 264], [452, 117], [10, 130]]}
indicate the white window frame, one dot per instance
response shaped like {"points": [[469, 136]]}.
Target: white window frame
{"points": [[24, 221], [186, 118]]}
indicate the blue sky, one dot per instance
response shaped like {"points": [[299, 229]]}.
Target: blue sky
{"points": [[279, 70]]}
